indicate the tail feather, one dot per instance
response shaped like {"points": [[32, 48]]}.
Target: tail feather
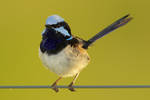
{"points": [[122, 21]]}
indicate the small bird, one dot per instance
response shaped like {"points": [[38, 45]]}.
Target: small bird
{"points": [[65, 54]]}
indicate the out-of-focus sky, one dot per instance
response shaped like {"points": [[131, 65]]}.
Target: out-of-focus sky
{"points": [[120, 58]]}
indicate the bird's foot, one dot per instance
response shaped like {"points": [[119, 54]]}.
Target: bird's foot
{"points": [[54, 87], [70, 87]]}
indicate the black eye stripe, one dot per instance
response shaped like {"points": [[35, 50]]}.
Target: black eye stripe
{"points": [[56, 25], [64, 24]]}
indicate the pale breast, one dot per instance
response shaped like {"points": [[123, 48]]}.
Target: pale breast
{"points": [[66, 63]]}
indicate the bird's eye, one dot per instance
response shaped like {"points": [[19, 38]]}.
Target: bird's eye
{"points": [[67, 37], [70, 38]]}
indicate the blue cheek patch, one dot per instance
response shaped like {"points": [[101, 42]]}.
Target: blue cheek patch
{"points": [[63, 31]]}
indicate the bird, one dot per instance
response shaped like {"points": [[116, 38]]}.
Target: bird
{"points": [[66, 54]]}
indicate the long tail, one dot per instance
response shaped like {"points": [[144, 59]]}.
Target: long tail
{"points": [[122, 21]]}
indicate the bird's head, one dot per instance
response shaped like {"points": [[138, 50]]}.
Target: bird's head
{"points": [[56, 36], [58, 24]]}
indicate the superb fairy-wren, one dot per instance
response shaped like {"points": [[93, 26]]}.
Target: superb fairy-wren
{"points": [[65, 54]]}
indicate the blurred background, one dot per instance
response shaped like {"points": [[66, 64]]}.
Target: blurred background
{"points": [[119, 58]]}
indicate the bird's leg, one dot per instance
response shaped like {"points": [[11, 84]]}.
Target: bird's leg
{"points": [[71, 84], [54, 85]]}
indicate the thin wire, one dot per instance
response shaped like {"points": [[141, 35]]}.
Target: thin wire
{"points": [[78, 86]]}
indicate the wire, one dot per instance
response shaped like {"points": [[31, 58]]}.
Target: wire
{"points": [[78, 86]]}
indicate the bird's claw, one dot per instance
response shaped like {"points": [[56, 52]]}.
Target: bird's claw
{"points": [[70, 87], [54, 87]]}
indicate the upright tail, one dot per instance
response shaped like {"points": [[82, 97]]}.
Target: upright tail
{"points": [[122, 21]]}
